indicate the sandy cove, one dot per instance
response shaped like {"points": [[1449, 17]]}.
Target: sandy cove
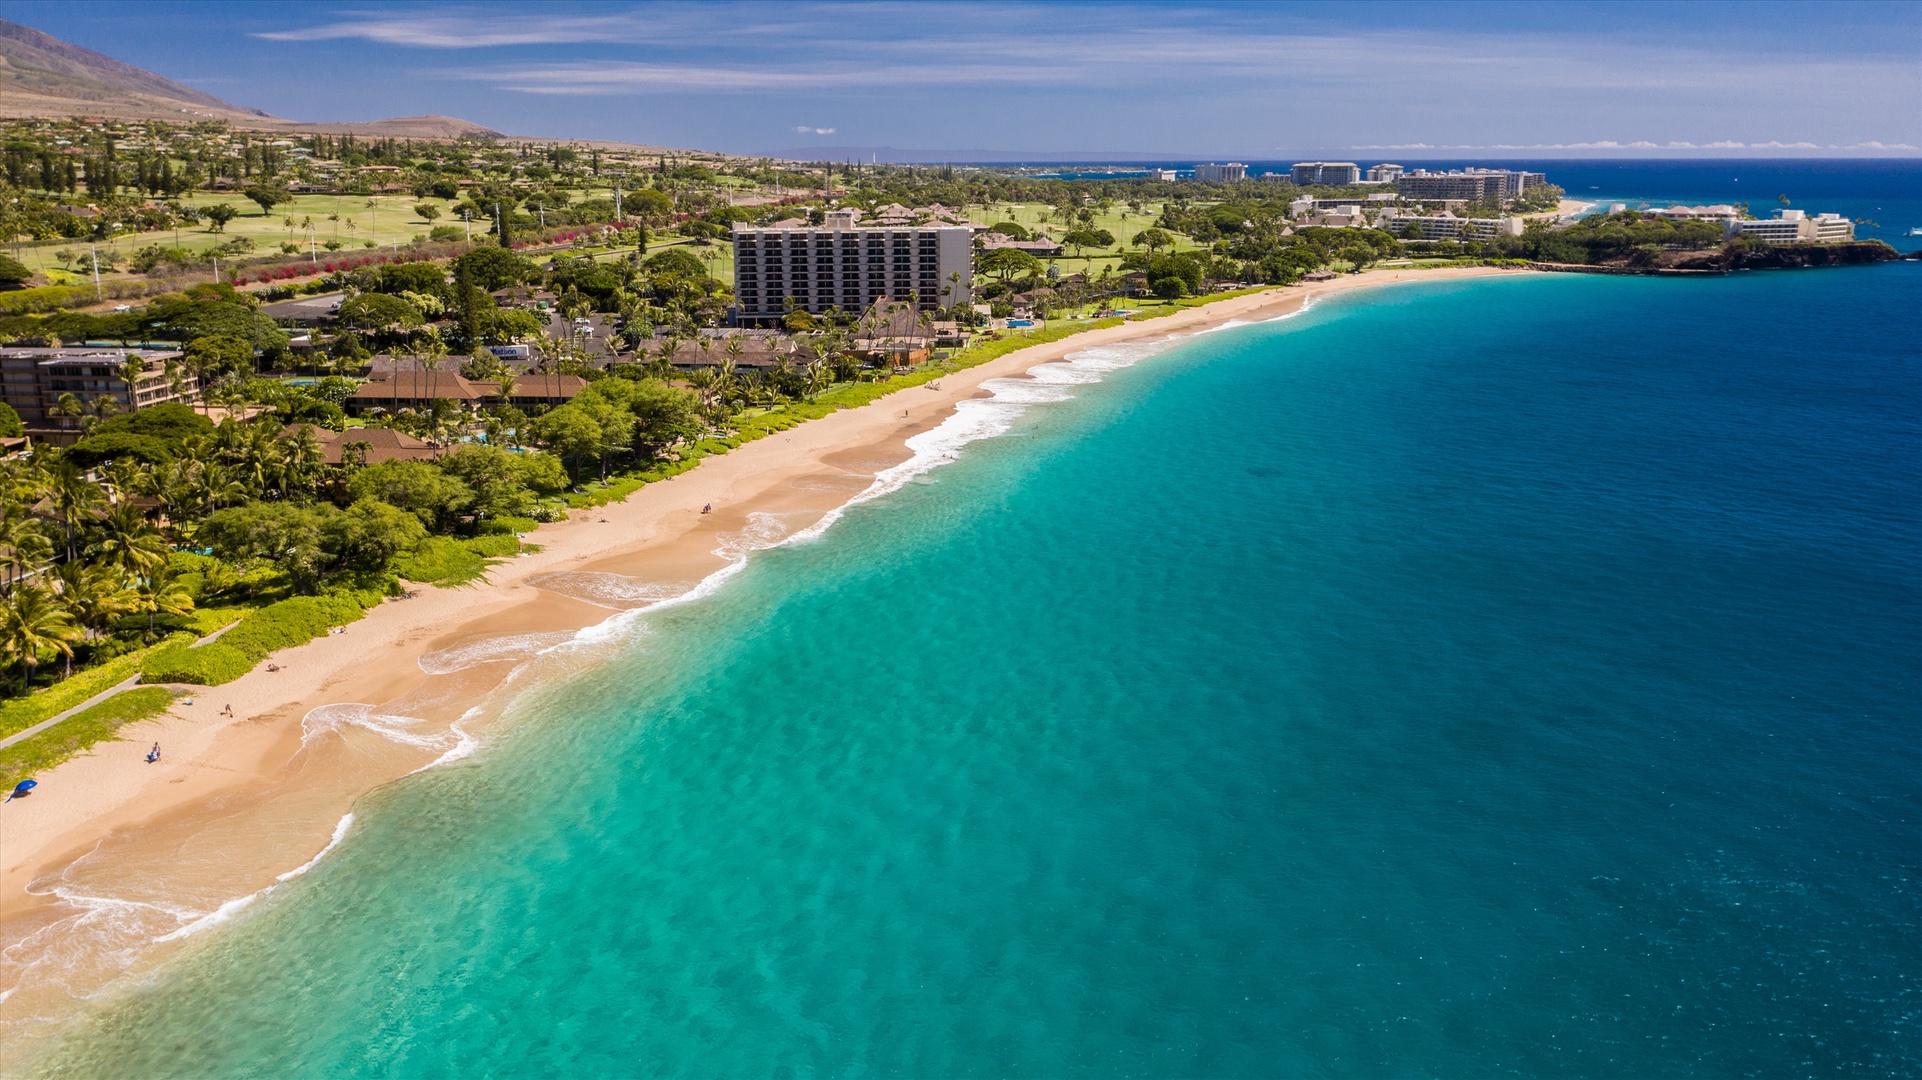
{"points": [[242, 784]]}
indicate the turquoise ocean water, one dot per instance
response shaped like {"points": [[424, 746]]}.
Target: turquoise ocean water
{"points": [[1508, 677]]}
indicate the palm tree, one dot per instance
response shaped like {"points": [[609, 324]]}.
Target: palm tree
{"points": [[128, 542], [23, 547], [94, 595], [161, 593], [126, 478], [302, 458], [74, 497], [34, 620], [69, 406]]}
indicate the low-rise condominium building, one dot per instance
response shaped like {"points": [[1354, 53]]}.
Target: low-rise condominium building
{"points": [[1446, 226], [1795, 227]]}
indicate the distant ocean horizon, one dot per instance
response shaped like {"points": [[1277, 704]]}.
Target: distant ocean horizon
{"points": [[1503, 676]]}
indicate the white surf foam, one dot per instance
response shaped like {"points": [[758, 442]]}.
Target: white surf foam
{"points": [[491, 650], [226, 911], [617, 591], [326, 719]]}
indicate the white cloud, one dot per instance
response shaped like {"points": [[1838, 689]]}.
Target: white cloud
{"points": [[803, 129], [1218, 75], [626, 77]]}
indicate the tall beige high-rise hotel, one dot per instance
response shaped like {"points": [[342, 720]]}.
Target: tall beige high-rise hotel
{"points": [[842, 264]]}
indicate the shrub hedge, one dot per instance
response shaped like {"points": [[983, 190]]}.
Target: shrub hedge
{"points": [[277, 626]]}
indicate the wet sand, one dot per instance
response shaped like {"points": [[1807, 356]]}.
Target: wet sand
{"points": [[112, 855]]}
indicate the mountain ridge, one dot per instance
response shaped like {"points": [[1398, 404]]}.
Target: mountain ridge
{"points": [[41, 75]]}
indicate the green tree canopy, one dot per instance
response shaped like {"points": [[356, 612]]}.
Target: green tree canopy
{"points": [[220, 214], [663, 415], [420, 277], [220, 354], [1005, 263], [648, 202], [379, 313], [493, 268], [171, 422], [568, 431], [285, 535], [504, 484], [13, 272], [677, 261], [507, 326], [1154, 239], [1081, 239], [98, 449], [368, 534], [268, 196], [188, 319], [417, 486]]}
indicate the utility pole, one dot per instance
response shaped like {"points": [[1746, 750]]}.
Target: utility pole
{"points": [[96, 270]]}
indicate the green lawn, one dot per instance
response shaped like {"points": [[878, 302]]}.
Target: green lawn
{"points": [[81, 731]]}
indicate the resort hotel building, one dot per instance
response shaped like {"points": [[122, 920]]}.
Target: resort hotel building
{"points": [[34, 380], [1338, 173], [1796, 227], [1495, 186], [1787, 227], [846, 265], [1218, 174]]}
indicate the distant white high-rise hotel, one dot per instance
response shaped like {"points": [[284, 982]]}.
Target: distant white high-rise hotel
{"points": [[1338, 173], [1217, 174]]}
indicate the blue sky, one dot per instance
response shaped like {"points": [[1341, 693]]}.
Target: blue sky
{"points": [[1243, 80]]}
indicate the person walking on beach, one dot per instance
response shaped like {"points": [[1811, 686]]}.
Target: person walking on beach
{"points": [[708, 509], [154, 754]]}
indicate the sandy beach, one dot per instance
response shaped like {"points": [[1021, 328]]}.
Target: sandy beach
{"points": [[243, 798]]}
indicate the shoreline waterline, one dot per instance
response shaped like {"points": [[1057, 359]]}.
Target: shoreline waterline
{"points": [[269, 791]]}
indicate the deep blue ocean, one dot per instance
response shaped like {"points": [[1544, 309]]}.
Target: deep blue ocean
{"points": [[1518, 676]]}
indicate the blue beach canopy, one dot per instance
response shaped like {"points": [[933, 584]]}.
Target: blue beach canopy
{"points": [[22, 788]]}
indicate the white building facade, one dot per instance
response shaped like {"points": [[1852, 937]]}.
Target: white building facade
{"points": [[1796, 227], [1339, 173], [1219, 174]]}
